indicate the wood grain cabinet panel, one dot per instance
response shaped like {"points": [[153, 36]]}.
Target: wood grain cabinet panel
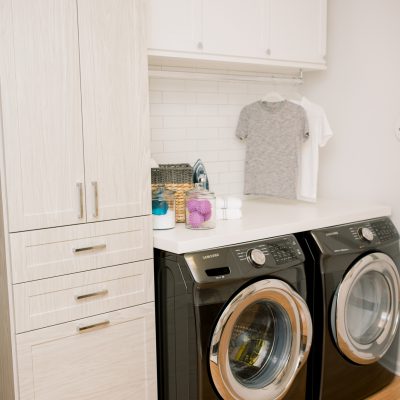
{"points": [[41, 112], [66, 298], [113, 360], [74, 100], [65, 250], [115, 108]]}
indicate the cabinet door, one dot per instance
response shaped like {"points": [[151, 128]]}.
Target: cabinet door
{"points": [[298, 30], [41, 112], [107, 357], [115, 108], [234, 27], [174, 25]]}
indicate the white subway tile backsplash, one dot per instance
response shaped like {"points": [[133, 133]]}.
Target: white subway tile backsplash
{"points": [[211, 98], [230, 109], [167, 85], [202, 109], [175, 146], [180, 122], [192, 119], [167, 109], [168, 134], [217, 122], [179, 98], [232, 87], [157, 147], [202, 86], [202, 133]]}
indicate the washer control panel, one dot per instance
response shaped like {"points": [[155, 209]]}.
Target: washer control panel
{"points": [[357, 236], [270, 252], [247, 259]]}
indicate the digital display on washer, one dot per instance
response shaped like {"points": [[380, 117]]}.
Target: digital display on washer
{"points": [[283, 251]]}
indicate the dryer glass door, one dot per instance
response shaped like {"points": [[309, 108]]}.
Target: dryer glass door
{"points": [[365, 309], [260, 342]]}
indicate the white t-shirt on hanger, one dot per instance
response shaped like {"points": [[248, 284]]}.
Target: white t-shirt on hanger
{"points": [[320, 133]]}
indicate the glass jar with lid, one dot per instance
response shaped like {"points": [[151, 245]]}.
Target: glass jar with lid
{"points": [[163, 208], [200, 208]]}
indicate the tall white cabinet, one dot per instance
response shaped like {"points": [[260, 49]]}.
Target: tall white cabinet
{"points": [[76, 270]]}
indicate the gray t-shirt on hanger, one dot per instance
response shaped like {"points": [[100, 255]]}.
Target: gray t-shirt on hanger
{"points": [[273, 132]]}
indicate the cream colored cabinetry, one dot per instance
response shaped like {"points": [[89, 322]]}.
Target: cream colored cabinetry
{"points": [[74, 105], [77, 298], [107, 357], [235, 33]]}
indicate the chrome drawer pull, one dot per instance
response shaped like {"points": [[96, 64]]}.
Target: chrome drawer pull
{"points": [[94, 294], [89, 248], [79, 187], [85, 328], [95, 199]]}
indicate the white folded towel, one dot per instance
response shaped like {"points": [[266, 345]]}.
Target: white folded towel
{"points": [[229, 202], [226, 213]]}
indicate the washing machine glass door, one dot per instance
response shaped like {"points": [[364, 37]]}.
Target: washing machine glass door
{"points": [[364, 315], [260, 342]]}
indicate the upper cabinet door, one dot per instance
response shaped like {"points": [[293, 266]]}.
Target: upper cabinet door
{"points": [[234, 27], [41, 113], [298, 30], [174, 24], [115, 108]]}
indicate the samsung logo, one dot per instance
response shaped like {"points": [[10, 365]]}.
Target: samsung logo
{"points": [[332, 234], [208, 256]]}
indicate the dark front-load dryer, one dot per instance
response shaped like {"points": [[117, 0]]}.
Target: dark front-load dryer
{"points": [[232, 322], [354, 274]]}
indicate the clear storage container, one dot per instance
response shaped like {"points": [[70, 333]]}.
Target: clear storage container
{"points": [[200, 208], [163, 208]]}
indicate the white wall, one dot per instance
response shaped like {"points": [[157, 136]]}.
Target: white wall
{"points": [[361, 95], [193, 119]]}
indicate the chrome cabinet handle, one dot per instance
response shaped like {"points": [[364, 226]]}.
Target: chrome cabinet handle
{"points": [[96, 199], [89, 248], [85, 328], [94, 294], [79, 187]]}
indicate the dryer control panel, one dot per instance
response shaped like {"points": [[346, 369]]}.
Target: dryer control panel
{"points": [[246, 259], [356, 236]]}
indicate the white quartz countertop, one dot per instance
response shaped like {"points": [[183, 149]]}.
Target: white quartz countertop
{"points": [[264, 218]]}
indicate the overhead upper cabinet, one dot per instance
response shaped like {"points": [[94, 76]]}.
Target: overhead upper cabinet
{"points": [[74, 103], [176, 22], [115, 108], [234, 28], [278, 33], [41, 112], [298, 30]]}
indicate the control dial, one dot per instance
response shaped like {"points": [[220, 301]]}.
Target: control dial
{"points": [[256, 257], [366, 234]]}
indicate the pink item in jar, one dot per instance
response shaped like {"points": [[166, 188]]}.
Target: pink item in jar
{"points": [[204, 207], [207, 216], [195, 219], [192, 205]]}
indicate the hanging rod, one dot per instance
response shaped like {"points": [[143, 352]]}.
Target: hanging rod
{"points": [[228, 76]]}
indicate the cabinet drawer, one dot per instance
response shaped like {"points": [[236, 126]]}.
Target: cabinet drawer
{"points": [[58, 251], [70, 297], [107, 357]]}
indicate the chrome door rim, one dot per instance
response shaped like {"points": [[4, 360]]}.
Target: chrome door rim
{"points": [[366, 353], [276, 291]]}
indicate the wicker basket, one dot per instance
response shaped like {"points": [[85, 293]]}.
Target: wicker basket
{"points": [[175, 177]]}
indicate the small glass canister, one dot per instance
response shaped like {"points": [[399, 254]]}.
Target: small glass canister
{"points": [[163, 208], [200, 208]]}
